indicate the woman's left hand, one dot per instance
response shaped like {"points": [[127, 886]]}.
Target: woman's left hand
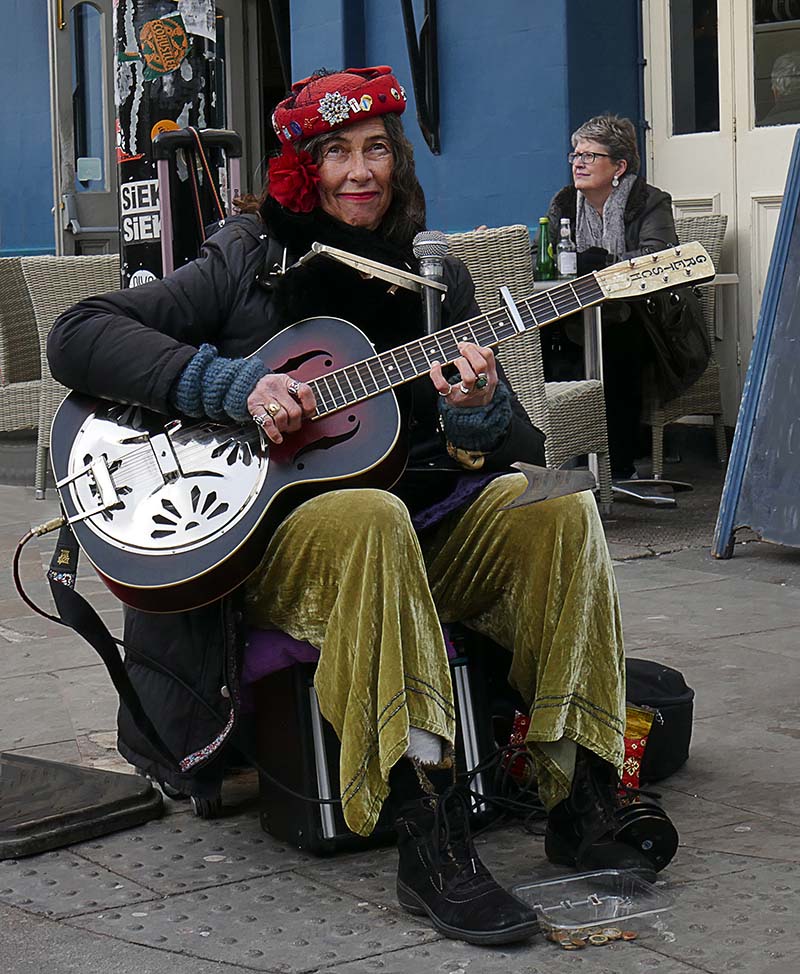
{"points": [[478, 371]]}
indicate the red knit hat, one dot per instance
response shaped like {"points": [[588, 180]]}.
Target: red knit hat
{"points": [[325, 102]]}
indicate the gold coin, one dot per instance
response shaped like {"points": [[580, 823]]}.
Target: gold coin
{"points": [[578, 941], [569, 945], [629, 935], [598, 939], [613, 933]]}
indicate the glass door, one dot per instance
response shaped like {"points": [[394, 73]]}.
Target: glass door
{"points": [[767, 92], [721, 138], [85, 174]]}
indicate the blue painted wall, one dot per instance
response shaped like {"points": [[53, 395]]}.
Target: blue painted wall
{"points": [[26, 170], [516, 78], [604, 67]]}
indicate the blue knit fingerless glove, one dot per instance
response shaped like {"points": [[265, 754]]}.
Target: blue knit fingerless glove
{"points": [[217, 387], [479, 428]]}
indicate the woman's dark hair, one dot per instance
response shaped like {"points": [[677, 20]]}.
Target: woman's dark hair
{"points": [[617, 134], [406, 214]]}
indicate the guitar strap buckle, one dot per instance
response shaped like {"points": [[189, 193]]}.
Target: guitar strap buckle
{"points": [[100, 477]]}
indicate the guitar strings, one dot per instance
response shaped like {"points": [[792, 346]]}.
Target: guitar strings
{"points": [[482, 328]]}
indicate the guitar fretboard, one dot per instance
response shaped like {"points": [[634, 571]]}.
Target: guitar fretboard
{"points": [[361, 380]]}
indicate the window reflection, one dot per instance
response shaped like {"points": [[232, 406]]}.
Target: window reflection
{"points": [[87, 97], [695, 66], [776, 62]]}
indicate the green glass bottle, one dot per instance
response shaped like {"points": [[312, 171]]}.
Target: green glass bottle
{"points": [[545, 269]]}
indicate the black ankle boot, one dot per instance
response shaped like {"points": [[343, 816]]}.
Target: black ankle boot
{"points": [[581, 831], [440, 875]]}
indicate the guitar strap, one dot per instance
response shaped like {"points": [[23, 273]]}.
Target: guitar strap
{"points": [[74, 611]]}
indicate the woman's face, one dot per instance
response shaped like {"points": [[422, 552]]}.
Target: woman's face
{"points": [[595, 176], [355, 172]]}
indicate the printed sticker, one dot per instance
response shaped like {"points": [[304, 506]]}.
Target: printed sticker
{"points": [[165, 125], [198, 17], [141, 277], [164, 45], [140, 219]]}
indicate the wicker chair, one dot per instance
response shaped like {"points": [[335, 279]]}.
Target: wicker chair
{"points": [[571, 414], [55, 284], [704, 397], [20, 370]]}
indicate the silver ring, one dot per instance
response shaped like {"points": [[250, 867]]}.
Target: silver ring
{"points": [[444, 395], [464, 390], [293, 388], [260, 419]]}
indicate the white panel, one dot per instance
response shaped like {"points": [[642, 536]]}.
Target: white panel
{"points": [[686, 206], [765, 211]]}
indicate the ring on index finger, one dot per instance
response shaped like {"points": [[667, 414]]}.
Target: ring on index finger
{"points": [[465, 390], [294, 389]]}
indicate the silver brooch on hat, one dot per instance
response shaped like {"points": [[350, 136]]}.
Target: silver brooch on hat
{"points": [[333, 107]]}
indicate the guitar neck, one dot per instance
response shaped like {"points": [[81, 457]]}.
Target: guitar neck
{"points": [[362, 380]]}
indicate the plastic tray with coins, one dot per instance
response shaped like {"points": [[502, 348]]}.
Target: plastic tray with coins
{"points": [[596, 909]]}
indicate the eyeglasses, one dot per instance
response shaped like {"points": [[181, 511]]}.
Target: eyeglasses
{"points": [[587, 158]]}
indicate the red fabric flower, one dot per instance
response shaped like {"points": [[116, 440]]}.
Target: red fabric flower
{"points": [[293, 179]]}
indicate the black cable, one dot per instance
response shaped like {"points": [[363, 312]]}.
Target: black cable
{"points": [[54, 525], [514, 800]]}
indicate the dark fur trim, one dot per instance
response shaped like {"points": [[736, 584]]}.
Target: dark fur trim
{"points": [[329, 289], [566, 201]]}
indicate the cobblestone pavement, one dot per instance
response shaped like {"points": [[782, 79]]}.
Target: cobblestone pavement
{"points": [[185, 895]]}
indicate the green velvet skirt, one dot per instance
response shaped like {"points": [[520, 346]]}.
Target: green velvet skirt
{"points": [[347, 573]]}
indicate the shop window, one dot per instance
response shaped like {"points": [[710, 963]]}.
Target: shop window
{"points": [[776, 62], [695, 66], [86, 31]]}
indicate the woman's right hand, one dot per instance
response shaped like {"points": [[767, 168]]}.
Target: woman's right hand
{"points": [[283, 402]]}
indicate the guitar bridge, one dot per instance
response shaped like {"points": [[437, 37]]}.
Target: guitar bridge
{"points": [[98, 474]]}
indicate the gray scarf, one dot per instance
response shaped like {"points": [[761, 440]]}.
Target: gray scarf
{"points": [[607, 230]]}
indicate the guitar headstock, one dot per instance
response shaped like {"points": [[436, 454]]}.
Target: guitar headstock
{"points": [[685, 264]]}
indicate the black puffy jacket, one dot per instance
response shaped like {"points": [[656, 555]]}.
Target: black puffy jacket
{"points": [[131, 346]]}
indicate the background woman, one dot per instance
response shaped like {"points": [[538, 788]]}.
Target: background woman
{"points": [[367, 576], [614, 214]]}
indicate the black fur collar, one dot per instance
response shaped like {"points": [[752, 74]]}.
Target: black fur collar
{"points": [[327, 288], [566, 201]]}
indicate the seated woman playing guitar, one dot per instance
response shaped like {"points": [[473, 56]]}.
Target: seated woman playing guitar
{"points": [[368, 574]]}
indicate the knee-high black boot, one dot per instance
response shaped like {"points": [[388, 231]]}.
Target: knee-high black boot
{"points": [[439, 872]]}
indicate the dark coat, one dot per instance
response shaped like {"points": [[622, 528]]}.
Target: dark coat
{"points": [[678, 346], [132, 345], [649, 224]]}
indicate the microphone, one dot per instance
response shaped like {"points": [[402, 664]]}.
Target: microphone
{"points": [[430, 246]]}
